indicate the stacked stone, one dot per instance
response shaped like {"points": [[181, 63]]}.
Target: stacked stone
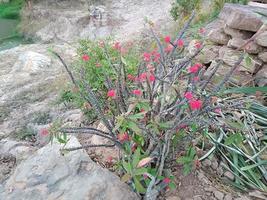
{"points": [[237, 25]]}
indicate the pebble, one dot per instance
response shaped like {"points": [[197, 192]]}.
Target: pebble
{"points": [[219, 195], [228, 197], [206, 163], [229, 175]]}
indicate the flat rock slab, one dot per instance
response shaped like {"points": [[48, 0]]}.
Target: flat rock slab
{"points": [[244, 17], [48, 175]]}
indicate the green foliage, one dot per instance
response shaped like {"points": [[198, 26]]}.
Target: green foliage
{"points": [[11, 10], [183, 8], [188, 160]]}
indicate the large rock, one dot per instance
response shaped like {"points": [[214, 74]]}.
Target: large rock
{"points": [[30, 81], [208, 54], [239, 78], [261, 39], [235, 33], [218, 36], [49, 175], [243, 17], [261, 77], [230, 57], [251, 47], [263, 56], [72, 20]]}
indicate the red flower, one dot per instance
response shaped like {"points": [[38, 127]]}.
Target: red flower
{"points": [[111, 93], [117, 46], [168, 49], [199, 65], [98, 64], [145, 176], [150, 68], [109, 159], [188, 95], [166, 180], [152, 78], [142, 77], [123, 137], [147, 56], [180, 43], [137, 92], [201, 30], [196, 78], [198, 45], [195, 104], [130, 77], [85, 57], [156, 57], [193, 69], [167, 39], [44, 132]]}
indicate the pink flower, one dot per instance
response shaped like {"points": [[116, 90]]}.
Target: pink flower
{"points": [[195, 104], [98, 64], [145, 176], [137, 92], [196, 78], [198, 45], [201, 30], [180, 43], [130, 77], [147, 56], [199, 65], [157, 57], [152, 78], [150, 68], [167, 39], [168, 49], [193, 69], [123, 137], [85, 57], [109, 159], [111, 93], [101, 44], [218, 110], [44, 132], [166, 180], [142, 77], [188, 95], [117, 46]]}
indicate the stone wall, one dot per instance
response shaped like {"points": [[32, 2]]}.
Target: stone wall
{"points": [[239, 28]]}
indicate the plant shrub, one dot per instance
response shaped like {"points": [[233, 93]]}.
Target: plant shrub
{"points": [[148, 103]]}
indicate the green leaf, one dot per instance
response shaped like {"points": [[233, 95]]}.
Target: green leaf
{"points": [[132, 125], [136, 116], [136, 157], [139, 187], [236, 138], [165, 125], [126, 177], [172, 186], [235, 124], [263, 162], [127, 166], [246, 90], [140, 171]]}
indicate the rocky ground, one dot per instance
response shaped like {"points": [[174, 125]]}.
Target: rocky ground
{"points": [[31, 79]]}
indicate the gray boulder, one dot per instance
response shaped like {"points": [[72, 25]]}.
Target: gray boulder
{"points": [[49, 175], [243, 17]]}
